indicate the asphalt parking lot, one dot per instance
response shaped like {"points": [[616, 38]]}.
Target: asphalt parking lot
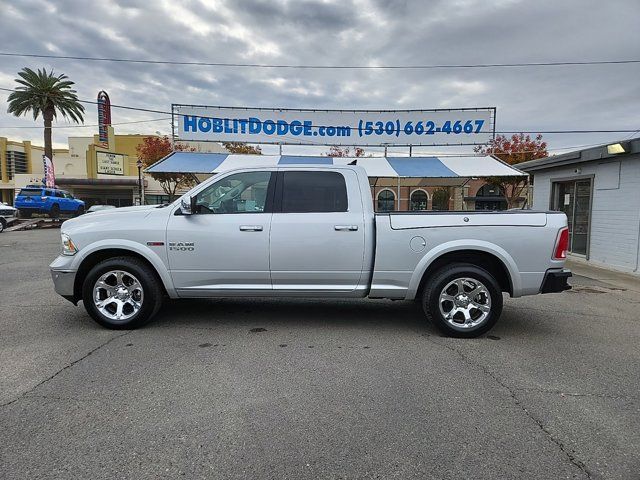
{"points": [[315, 389]]}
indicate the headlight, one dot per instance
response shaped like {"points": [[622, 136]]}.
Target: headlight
{"points": [[68, 248]]}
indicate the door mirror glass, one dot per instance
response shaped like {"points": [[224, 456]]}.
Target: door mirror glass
{"points": [[185, 206]]}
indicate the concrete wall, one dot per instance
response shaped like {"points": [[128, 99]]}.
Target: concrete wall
{"points": [[615, 214]]}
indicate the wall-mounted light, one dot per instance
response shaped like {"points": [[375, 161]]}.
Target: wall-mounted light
{"points": [[617, 148]]}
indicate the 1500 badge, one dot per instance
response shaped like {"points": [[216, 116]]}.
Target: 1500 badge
{"points": [[181, 246]]}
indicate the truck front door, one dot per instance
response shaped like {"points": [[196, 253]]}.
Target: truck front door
{"points": [[223, 247], [317, 233]]}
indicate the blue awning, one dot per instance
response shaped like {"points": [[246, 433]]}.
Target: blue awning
{"points": [[300, 160], [420, 167], [376, 167]]}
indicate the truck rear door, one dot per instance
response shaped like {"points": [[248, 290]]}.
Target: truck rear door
{"points": [[317, 239]]}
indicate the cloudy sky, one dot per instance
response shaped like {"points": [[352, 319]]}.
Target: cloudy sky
{"points": [[341, 32]]}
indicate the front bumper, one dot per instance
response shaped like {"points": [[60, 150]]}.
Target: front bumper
{"points": [[63, 282], [556, 281], [63, 277]]}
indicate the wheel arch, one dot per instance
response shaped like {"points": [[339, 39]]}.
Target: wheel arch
{"points": [[97, 255], [490, 257]]}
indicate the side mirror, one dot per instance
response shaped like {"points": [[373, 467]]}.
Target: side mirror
{"points": [[186, 207]]}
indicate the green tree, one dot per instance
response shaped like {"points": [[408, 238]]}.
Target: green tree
{"points": [[153, 149], [519, 148], [440, 199], [336, 151], [47, 94], [242, 148]]}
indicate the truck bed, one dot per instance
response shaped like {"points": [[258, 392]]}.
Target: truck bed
{"points": [[407, 243]]}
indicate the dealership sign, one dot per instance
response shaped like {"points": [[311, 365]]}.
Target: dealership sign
{"points": [[104, 118], [110, 163], [467, 126]]}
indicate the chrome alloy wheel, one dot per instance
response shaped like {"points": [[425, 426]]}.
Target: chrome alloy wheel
{"points": [[465, 303], [118, 295]]}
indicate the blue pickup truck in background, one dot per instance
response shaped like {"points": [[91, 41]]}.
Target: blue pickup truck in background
{"points": [[50, 201]]}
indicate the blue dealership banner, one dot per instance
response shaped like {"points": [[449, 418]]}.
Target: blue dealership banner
{"points": [[465, 126]]}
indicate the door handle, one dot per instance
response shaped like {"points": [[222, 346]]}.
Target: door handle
{"points": [[348, 228], [250, 228]]}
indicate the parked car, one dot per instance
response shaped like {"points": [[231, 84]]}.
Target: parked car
{"points": [[50, 201], [7, 215], [98, 208], [307, 231]]}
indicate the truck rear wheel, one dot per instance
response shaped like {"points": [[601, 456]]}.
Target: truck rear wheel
{"points": [[462, 300], [121, 293]]}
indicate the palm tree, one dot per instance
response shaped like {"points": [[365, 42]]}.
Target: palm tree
{"points": [[44, 93]]}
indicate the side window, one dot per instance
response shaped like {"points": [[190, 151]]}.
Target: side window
{"points": [[48, 193], [240, 193], [59, 194], [308, 192], [69, 196]]}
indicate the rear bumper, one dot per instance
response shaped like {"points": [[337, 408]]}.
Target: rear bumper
{"points": [[556, 281], [32, 208]]}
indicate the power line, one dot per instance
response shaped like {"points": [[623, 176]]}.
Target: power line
{"points": [[545, 132], [91, 126], [323, 67]]}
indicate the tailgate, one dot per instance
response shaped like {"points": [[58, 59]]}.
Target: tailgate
{"points": [[467, 219]]}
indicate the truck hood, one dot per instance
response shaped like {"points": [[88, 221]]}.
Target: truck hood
{"points": [[100, 219], [116, 211]]}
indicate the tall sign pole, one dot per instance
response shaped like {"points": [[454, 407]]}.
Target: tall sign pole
{"points": [[104, 118]]}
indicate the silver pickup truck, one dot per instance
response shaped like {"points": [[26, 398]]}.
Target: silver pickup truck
{"points": [[307, 231]]}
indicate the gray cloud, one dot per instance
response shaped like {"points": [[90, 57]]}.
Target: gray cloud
{"points": [[379, 32]]}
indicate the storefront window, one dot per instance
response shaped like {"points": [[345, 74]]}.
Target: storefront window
{"points": [[490, 197], [386, 201], [156, 199], [419, 200]]}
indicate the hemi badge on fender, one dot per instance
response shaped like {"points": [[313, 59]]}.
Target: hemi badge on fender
{"points": [[155, 244]]}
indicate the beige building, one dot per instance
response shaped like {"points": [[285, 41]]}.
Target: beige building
{"points": [[89, 170]]}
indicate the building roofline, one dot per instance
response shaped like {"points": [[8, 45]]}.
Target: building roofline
{"points": [[578, 156]]}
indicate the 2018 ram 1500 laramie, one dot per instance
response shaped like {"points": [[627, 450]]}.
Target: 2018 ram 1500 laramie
{"points": [[307, 231]]}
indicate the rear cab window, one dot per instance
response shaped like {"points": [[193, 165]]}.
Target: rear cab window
{"points": [[313, 192]]}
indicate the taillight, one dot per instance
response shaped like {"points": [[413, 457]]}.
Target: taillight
{"points": [[562, 245]]}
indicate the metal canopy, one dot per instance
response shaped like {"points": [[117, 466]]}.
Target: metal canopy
{"points": [[376, 167]]}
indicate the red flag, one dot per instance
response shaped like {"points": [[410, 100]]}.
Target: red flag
{"points": [[49, 172]]}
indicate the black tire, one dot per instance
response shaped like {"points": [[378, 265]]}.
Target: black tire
{"points": [[79, 211], [55, 211], [24, 213], [455, 326], [3, 224], [146, 276]]}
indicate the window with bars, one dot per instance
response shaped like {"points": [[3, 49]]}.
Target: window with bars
{"points": [[16, 163]]}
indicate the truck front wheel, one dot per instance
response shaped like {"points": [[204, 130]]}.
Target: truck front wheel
{"points": [[121, 293], [462, 300]]}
